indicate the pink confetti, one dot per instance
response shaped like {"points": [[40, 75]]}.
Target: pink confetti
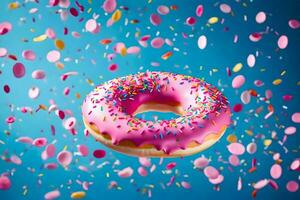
{"points": [[4, 182], [261, 184], [64, 158], [3, 52], [29, 55], [251, 148], [201, 162], [53, 2], [290, 130], [10, 119], [6, 88], [24, 139], [238, 81], [83, 150], [52, 195], [171, 165], [146, 162], [33, 92], [109, 5], [99, 153], [211, 172], [50, 150], [53, 56], [113, 67], [39, 142], [185, 185], [155, 19], [236, 148], [295, 165], [225, 8], [294, 24], [69, 123], [142, 171], [217, 180], [15, 159], [50, 33], [92, 26], [133, 50], [234, 160], [260, 17], [276, 171], [163, 10], [190, 21], [251, 60], [282, 42], [296, 117], [38, 74], [202, 42], [157, 42], [126, 172], [199, 10], [5, 27], [19, 70], [255, 37], [292, 186], [245, 97], [237, 107]]}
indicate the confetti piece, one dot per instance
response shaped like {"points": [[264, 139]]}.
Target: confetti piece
{"points": [[142, 171], [109, 5], [39, 142], [83, 150], [261, 184], [282, 42], [238, 81], [52, 195], [78, 195], [294, 24], [236, 148], [163, 10], [5, 183], [64, 158], [53, 56], [276, 171], [126, 172], [146, 162], [92, 26], [5, 27], [296, 117], [290, 130], [292, 186], [40, 38], [225, 8], [167, 55], [38, 74], [199, 10], [155, 19], [33, 92], [237, 67], [99, 153], [29, 55], [116, 16], [260, 17], [251, 148], [213, 20], [201, 162], [202, 42], [211, 172], [157, 42], [19, 70]]}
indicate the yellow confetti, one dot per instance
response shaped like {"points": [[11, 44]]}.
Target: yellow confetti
{"points": [[277, 81], [116, 16], [78, 195], [232, 138], [90, 82], [123, 51], [89, 10], [59, 44], [267, 142], [249, 132], [14, 5], [237, 67], [40, 38], [213, 20]]}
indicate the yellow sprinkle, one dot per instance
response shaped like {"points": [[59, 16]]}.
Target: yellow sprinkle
{"points": [[78, 195], [40, 38], [237, 67], [90, 82], [13, 5], [89, 10], [107, 175], [249, 132], [167, 55], [215, 70], [232, 138], [59, 44], [116, 16], [41, 175], [123, 51], [42, 107], [65, 148], [267, 142], [282, 73], [213, 20], [277, 81]]}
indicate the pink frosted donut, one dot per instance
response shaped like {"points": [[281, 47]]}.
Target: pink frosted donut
{"points": [[109, 114]]}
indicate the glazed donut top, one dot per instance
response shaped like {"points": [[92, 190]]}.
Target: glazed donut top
{"points": [[111, 106]]}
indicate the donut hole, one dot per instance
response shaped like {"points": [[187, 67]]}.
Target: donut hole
{"points": [[159, 111]]}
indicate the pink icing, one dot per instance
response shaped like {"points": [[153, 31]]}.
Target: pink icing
{"points": [[110, 108]]}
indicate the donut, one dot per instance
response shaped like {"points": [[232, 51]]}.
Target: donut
{"points": [[109, 114]]}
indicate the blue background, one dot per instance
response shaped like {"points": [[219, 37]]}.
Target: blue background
{"points": [[220, 53]]}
